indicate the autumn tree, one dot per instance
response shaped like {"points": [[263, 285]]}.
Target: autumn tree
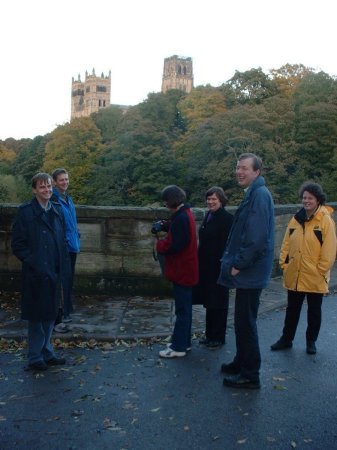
{"points": [[30, 158], [250, 87], [74, 146], [288, 76]]}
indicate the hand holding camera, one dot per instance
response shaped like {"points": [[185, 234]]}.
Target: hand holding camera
{"points": [[160, 226]]}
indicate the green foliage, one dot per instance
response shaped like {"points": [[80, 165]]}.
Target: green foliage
{"points": [[108, 121], [6, 157], [30, 158], [74, 146], [125, 157], [252, 86], [140, 160], [14, 189]]}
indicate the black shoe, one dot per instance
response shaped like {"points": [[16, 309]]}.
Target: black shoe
{"points": [[204, 341], [214, 344], [56, 362], [311, 348], [281, 344], [230, 368], [238, 381], [39, 365]]}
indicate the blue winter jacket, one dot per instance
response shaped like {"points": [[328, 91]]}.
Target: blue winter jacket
{"points": [[250, 245], [69, 212]]}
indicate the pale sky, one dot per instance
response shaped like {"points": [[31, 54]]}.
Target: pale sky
{"points": [[44, 43]]}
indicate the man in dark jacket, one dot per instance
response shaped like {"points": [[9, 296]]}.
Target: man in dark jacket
{"points": [[38, 241], [246, 265]]}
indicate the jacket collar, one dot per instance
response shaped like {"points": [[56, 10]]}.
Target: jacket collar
{"points": [[301, 215], [60, 196], [257, 183], [183, 208], [39, 211]]}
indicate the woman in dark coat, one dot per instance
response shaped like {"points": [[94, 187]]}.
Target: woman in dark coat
{"points": [[213, 235]]}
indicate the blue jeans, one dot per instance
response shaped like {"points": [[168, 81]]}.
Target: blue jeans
{"points": [[181, 338], [248, 357], [39, 345]]}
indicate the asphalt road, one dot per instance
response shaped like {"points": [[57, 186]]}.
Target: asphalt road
{"points": [[125, 397]]}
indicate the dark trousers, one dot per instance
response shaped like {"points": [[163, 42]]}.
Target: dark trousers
{"points": [[216, 323], [314, 315], [248, 357], [181, 338], [68, 287]]}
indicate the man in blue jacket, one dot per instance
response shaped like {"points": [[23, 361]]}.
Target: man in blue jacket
{"points": [[60, 196], [246, 265], [39, 241]]}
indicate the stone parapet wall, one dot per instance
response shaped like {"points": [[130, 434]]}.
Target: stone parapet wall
{"points": [[116, 248]]}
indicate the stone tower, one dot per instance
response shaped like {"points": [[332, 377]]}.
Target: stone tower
{"points": [[178, 74], [91, 95]]}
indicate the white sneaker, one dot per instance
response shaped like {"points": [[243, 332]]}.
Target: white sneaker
{"points": [[67, 319], [188, 349], [170, 353], [61, 328]]}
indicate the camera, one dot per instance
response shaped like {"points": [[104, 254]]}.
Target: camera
{"points": [[159, 226]]}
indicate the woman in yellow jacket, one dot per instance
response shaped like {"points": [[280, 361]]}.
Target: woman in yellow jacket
{"points": [[308, 252]]}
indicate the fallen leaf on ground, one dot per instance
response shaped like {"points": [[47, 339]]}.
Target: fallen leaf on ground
{"points": [[279, 387]]}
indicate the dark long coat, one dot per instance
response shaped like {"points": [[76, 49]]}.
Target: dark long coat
{"points": [[38, 241], [213, 234]]}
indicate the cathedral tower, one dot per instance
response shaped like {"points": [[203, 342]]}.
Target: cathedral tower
{"points": [[178, 74], [91, 95]]}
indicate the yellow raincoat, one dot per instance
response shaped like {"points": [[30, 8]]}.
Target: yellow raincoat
{"points": [[308, 251]]}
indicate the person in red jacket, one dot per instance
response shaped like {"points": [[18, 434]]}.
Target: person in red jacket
{"points": [[179, 247]]}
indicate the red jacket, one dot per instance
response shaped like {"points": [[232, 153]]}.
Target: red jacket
{"points": [[180, 249]]}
